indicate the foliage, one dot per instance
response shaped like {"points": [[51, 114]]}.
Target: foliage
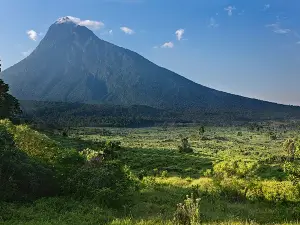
{"points": [[235, 168], [9, 106], [290, 147], [106, 183], [35, 165], [185, 146], [272, 135], [239, 180], [293, 171], [22, 177], [188, 212], [201, 131]]}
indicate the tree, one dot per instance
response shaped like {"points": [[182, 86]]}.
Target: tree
{"points": [[185, 146], [9, 105], [290, 148], [201, 131]]}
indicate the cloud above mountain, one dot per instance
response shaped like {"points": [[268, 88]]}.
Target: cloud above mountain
{"points": [[91, 24]]}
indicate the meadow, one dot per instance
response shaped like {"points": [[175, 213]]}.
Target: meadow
{"points": [[239, 175]]}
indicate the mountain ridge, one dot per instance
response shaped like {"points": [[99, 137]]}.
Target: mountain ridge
{"points": [[71, 64]]}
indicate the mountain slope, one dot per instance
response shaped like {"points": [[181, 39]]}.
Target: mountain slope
{"points": [[72, 64]]}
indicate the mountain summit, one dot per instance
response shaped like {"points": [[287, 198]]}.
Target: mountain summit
{"points": [[71, 64]]}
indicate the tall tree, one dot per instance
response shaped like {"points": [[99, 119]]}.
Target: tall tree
{"points": [[9, 105]]}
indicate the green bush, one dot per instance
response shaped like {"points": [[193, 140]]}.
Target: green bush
{"points": [[33, 165], [237, 168], [106, 183], [22, 177], [188, 212], [185, 146]]}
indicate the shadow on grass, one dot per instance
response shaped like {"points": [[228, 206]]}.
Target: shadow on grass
{"points": [[184, 165]]}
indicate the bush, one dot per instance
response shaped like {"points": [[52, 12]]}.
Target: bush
{"points": [[283, 191], [238, 168], [32, 165], [272, 136], [185, 146], [106, 183], [188, 212], [21, 177]]}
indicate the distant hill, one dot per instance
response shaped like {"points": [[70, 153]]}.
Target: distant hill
{"points": [[71, 64]]}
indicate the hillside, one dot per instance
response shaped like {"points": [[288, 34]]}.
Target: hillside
{"points": [[71, 64]]}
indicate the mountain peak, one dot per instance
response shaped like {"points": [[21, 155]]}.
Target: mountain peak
{"points": [[68, 19]]}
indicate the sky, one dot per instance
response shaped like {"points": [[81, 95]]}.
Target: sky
{"points": [[245, 47]]}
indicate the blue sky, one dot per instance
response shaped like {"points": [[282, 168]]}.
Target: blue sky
{"points": [[246, 47]]}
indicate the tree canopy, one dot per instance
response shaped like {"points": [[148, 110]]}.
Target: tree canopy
{"points": [[9, 105]]}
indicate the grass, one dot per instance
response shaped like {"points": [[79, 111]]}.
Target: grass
{"points": [[168, 176]]}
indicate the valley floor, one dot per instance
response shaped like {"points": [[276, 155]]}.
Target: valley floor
{"points": [[167, 176]]}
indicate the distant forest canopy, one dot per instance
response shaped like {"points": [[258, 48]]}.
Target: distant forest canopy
{"points": [[62, 114]]}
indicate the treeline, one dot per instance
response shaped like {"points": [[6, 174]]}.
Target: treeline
{"points": [[78, 114]]}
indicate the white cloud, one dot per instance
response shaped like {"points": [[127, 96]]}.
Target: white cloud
{"points": [[95, 25], [277, 29], [127, 30], [32, 35], [168, 45], [298, 43], [27, 53], [179, 34], [267, 6], [230, 10], [92, 24], [213, 23]]}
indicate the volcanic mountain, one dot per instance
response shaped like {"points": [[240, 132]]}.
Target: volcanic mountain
{"points": [[71, 64]]}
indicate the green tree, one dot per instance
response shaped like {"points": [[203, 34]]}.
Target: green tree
{"points": [[290, 147], [201, 131], [9, 105], [185, 146]]}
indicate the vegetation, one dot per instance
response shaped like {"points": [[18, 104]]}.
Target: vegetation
{"points": [[185, 146], [9, 106], [61, 115], [240, 180], [33, 165]]}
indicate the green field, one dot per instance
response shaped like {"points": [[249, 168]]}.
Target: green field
{"points": [[239, 174]]}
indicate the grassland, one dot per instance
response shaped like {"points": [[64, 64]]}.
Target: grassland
{"points": [[167, 176]]}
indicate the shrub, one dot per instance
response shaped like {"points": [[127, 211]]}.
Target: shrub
{"points": [[185, 146], [188, 212], [106, 183], [290, 146], [283, 191], [293, 171], [272, 136], [141, 174], [22, 177], [201, 131], [237, 168], [111, 150], [164, 173], [32, 165]]}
